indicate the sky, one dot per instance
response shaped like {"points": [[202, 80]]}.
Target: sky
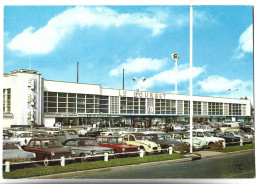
{"points": [[139, 39]]}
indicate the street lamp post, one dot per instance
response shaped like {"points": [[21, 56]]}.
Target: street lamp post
{"points": [[175, 57]]}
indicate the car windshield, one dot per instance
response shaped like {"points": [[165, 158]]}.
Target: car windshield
{"points": [[141, 137], [10, 146], [207, 134], [51, 143], [87, 143], [116, 140]]}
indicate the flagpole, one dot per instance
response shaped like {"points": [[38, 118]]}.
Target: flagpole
{"points": [[191, 101]]}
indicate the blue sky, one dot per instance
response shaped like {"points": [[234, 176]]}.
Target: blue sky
{"points": [[140, 39]]}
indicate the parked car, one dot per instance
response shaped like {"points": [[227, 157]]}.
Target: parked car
{"points": [[90, 131], [239, 133], [179, 128], [7, 133], [185, 137], [247, 127], [47, 149], [139, 139], [113, 131], [66, 134], [84, 147], [228, 138], [165, 140], [117, 143], [42, 133], [12, 152], [153, 130], [52, 130], [23, 137], [230, 125], [205, 136], [15, 129]]}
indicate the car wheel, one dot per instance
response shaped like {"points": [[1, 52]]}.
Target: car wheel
{"points": [[86, 135], [84, 157], [46, 161]]}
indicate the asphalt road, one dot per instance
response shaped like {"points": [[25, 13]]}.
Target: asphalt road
{"points": [[232, 166]]}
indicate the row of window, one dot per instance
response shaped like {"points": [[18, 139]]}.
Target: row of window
{"points": [[85, 103], [6, 100]]}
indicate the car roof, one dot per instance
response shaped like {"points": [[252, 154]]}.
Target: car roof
{"points": [[22, 132], [10, 141]]}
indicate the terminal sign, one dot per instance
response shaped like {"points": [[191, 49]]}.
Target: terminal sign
{"points": [[144, 94]]}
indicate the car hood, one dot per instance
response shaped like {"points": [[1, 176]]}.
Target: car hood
{"points": [[8, 154], [152, 144]]}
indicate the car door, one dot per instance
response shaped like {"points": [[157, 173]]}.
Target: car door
{"points": [[61, 136]]}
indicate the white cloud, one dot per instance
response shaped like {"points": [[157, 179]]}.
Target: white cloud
{"points": [[139, 65], [45, 39], [169, 77], [219, 85], [246, 40], [245, 43]]}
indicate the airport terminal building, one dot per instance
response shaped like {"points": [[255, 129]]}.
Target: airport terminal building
{"points": [[30, 99]]}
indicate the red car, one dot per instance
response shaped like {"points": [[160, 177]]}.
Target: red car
{"points": [[117, 143]]}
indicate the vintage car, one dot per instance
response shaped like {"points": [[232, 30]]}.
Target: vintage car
{"points": [[239, 133], [41, 133], [67, 134], [179, 128], [228, 138], [23, 137], [15, 129], [12, 152], [185, 137], [7, 133], [52, 130], [135, 130], [165, 140], [117, 143], [247, 127], [90, 131], [205, 136], [47, 149], [139, 139], [84, 147], [204, 127], [153, 130], [113, 131]]}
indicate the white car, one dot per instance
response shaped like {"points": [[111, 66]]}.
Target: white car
{"points": [[23, 137], [206, 136], [113, 131], [52, 130], [83, 131]]}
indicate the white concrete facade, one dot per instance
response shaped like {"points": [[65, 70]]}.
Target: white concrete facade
{"points": [[32, 97]]}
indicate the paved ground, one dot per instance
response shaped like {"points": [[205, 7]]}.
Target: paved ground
{"points": [[81, 174]]}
